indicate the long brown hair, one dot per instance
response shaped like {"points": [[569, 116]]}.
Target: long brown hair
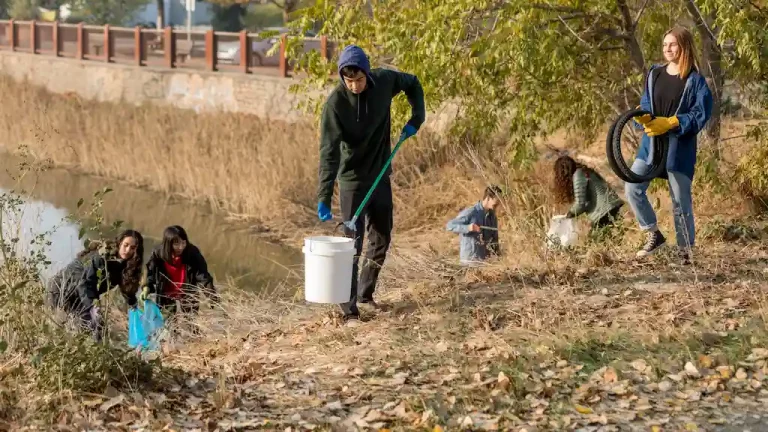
{"points": [[131, 276], [562, 185], [132, 269], [688, 58]]}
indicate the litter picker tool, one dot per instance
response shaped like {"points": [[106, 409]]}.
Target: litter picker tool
{"points": [[350, 225]]}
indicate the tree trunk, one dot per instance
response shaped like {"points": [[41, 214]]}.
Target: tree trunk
{"points": [[630, 37], [289, 6], [711, 65]]}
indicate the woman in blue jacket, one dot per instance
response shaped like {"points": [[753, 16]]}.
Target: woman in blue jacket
{"points": [[681, 102]]}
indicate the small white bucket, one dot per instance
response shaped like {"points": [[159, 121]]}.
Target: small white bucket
{"points": [[328, 269]]}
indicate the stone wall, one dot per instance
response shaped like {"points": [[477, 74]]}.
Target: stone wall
{"points": [[261, 95], [264, 96]]}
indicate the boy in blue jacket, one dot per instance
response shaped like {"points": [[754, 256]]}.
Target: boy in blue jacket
{"points": [[478, 229]]}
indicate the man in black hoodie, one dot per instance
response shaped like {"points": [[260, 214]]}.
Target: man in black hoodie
{"points": [[354, 145]]}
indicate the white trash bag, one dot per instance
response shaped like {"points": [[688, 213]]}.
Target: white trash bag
{"points": [[562, 232]]}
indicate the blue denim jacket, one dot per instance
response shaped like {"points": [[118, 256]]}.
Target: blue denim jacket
{"points": [[474, 246], [693, 113]]}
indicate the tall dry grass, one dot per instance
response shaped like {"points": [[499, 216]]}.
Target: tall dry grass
{"points": [[267, 170]]}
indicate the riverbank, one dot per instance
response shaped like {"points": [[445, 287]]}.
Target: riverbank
{"points": [[615, 347], [264, 172], [538, 340]]}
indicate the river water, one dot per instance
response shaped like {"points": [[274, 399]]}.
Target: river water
{"points": [[235, 257]]}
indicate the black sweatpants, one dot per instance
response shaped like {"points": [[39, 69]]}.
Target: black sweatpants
{"points": [[376, 219]]}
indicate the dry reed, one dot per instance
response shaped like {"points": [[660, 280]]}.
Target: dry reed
{"points": [[266, 170]]}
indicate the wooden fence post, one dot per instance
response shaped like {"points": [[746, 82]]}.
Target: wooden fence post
{"points": [[138, 46], [324, 46], [169, 46], [12, 34], [33, 37], [107, 44], [80, 41], [245, 52], [56, 43], [210, 50], [283, 61]]}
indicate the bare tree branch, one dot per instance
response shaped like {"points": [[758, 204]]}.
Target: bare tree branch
{"points": [[640, 14], [699, 17]]}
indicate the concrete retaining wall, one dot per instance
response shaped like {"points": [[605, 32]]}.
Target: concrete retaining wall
{"points": [[261, 95]]}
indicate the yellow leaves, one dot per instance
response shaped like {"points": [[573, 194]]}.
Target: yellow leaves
{"points": [[610, 375], [725, 371], [655, 428], [437, 428], [705, 361], [581, 409], [691, 427]]}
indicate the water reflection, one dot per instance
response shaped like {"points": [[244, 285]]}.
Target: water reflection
{"points": [[231, 252]]}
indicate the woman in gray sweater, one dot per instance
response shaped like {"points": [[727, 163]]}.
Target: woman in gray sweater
{"points": [[586, 191]]}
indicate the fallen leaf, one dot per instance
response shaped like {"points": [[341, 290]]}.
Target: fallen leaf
{"points": [[705, 361], [675, 377], [640, 365], [581, 409], [503, 381], [691, 370], [441, 347], [374, 415], [437, 429], [334, 406], [725, 371], [665, 386], [758, 354], [655, 428], [610, 375], [691, 427], [106, 406], [399, 379], [741, 374]]}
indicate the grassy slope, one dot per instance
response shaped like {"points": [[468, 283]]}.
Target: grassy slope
{"points": [[520, 344]]}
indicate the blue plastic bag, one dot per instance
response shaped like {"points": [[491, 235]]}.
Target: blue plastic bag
{"points": [[144, 326]]}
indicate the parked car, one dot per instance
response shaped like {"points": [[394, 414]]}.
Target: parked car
{"points": [[229, 52]]}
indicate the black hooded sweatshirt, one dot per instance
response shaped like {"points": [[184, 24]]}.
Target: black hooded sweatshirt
{"points": [[355, 129]]}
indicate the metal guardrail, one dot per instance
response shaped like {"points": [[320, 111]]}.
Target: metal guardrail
{"points": [[170, 48]]}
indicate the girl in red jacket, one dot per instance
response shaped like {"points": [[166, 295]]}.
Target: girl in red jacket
{"points": [[177, 273]]}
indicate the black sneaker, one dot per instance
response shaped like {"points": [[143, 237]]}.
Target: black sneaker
{"points": [[653, 241]]}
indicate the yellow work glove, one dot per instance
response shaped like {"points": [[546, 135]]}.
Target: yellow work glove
{"points": [[661, 125], [643, 119]]}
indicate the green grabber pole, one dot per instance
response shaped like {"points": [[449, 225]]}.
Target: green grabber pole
{"points": [[351, 224]]}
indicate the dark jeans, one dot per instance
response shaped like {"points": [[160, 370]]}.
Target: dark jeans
{"points": [[378, 215], [61, 293]]}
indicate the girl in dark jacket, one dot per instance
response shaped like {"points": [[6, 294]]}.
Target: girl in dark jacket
{"points": [[77, 288], [177, 271]]}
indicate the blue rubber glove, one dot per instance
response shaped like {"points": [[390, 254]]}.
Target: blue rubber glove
{"points": [[323, 212], [408, 131]]}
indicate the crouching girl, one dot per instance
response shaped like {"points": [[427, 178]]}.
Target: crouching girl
{"points": [[78, 287], [177, 273]]}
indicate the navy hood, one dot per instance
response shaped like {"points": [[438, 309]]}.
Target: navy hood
{"points": [[353, 55]]}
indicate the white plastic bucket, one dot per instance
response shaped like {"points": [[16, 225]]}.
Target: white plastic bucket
{"points": [[328, 269]]}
